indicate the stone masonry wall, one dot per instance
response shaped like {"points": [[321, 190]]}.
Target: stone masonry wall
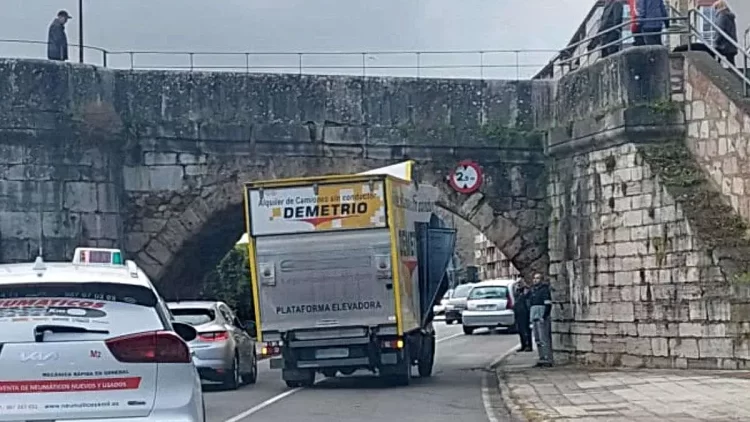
{"points": [[719, 135], [649, 265], [58, 179], [635, 286]]}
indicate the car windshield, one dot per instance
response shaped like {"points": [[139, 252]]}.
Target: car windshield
{"points": [[489, 292], [194, 316], [447, 294], [462, 291]]}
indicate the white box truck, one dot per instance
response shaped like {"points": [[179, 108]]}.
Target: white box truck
{"points": [[345, 271]]}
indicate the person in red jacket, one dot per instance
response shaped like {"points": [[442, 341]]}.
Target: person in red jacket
{"points": [[637, 39]]}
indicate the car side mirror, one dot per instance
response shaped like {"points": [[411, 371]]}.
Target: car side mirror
{"points": [[186, 331], [251, 329]]}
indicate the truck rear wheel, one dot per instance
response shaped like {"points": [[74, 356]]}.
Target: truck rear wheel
{"points": [[401, 375], [427, 358]]}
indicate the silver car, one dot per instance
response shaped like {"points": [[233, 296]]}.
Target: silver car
{"points": [[455, 306], [223, 351], [490, 305]]}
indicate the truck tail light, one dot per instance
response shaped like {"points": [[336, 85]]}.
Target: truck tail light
{"points": [[271, 348]]}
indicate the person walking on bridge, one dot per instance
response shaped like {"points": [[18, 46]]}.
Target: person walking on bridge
{"points": [[610, 29], [57, 41], [541, 310], [652, 19], [725, 20]]}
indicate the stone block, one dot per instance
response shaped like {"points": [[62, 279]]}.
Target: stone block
{"points": [[187, 158], [716, 348], [80, 197], [159, 158], [684, 348], [106, 198], [101, 226], [660, 347], [690, 329], [61, 224], [158, 251], [20, 225], [165, 178], [134, 242]]}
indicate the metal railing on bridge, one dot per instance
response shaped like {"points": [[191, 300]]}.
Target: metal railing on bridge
{"points": [[482, 64], [682, 28]]}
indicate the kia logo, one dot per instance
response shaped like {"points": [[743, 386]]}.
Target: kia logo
{"points": [[39, 356]]}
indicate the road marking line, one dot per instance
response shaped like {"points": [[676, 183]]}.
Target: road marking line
{"points": [[440, 340], [486, 397], [262, 405], [274, 399]]}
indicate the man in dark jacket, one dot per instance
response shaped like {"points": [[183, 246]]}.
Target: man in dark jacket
{"points": [[541, 309], [57, 41], [521, 312], [725, 20], [611, 19], [656, 13]]}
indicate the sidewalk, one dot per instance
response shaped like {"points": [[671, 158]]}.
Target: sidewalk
{"points": [[576, 394]]}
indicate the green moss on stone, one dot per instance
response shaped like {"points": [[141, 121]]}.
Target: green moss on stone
{"points": [[716, 223], [497, 134]]}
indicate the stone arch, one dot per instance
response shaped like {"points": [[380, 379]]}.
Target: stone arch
{"points": [[209, 220]]}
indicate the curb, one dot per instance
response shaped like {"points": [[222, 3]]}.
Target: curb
{"points": [[516, 414]]}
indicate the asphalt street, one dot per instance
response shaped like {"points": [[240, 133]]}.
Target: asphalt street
{"points": [[458, 390]]}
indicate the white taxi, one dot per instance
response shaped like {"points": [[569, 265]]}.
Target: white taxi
{"points": [[91, 340]]}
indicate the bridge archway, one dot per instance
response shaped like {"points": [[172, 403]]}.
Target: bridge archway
{"points": [[207, 222]]}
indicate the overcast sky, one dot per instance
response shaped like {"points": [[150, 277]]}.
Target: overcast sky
{"points": [[305, 25]]}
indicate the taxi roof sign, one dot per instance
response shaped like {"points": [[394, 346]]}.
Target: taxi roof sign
{"points": [[98, 256]]}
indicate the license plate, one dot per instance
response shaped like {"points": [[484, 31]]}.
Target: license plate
{"points": [[332, 353], [486, 307]]}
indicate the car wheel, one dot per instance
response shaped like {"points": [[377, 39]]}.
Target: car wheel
{"points": [[468, 330], [233, 378], [252, 377], [449, 322]]}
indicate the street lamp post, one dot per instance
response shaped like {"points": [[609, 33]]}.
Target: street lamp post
{"points": [[80, 31]]}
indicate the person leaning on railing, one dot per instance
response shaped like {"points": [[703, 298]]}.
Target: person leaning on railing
{"points": [[610, 29], [725, 20], [652, 19]]}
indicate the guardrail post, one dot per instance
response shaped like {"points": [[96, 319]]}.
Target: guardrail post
{"points": [[247, 62], [364, 65], [419, 64], [132, 60], [299, 62], [191, 61], [518, 65], [104, 58]]}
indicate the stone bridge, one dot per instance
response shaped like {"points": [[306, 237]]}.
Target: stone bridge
{"points": [[628, 179], [153, 162]]}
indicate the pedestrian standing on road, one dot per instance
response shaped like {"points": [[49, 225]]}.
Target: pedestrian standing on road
{"points": [[725, 20], [652, 19], [610, 29], [57, 41], [541, 310], [522, 315]]}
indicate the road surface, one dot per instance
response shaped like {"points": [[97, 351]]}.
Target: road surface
{"points": [[458, 390]]}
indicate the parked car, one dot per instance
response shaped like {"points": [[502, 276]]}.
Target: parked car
{"points": [[224, 351], [490, 305], [439, 309], [457, 303], [92, 340]]}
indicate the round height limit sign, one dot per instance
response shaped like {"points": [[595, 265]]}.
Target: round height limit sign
{"points": [[466, 177]]}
